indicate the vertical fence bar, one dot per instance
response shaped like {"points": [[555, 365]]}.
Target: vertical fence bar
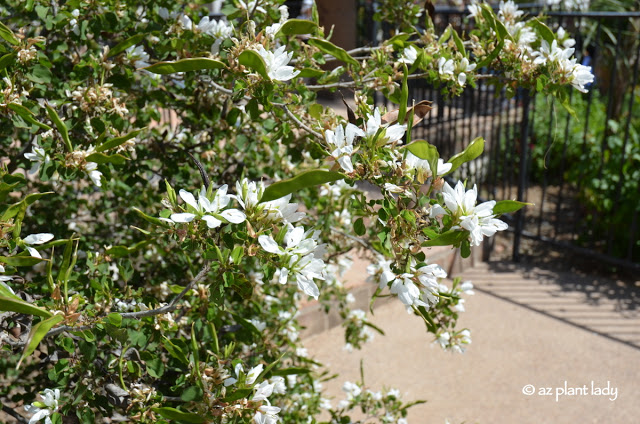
{"points": [[522, 179]]}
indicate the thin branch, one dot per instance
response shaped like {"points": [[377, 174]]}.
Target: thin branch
{"points": [[354, 238], [352, 84], [300, 123], [172, 306], [221, 88], [14, 414]]}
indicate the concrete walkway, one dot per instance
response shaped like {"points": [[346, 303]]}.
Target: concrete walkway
{"points": [[529, 326]]}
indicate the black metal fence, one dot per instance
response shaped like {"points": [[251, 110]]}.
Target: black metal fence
{"points": [[582, 172]]}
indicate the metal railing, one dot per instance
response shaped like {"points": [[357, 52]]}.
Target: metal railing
{"points": [[581, 172]]}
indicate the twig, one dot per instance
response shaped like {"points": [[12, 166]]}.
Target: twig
{"points": [[172, 306], [351, 84], [14, 414], [221, 88], [300, 123], [354, 238]]}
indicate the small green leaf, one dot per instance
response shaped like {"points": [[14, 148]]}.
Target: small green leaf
{"points": [[358, 227], [252, 60], [175, 351], [155, 367], [191, 393], [115, 142], [11, 302], [238, 394], [333, 50], [151, 219], [472, 151], [303, 180], [544, 31], [465, 249], [297, 26], [310, 73], [115, 319], [291, 371], [98, 157], [27, 115], [185, 65], [8, 35], [449, 238], [38, 332], [20, 260], [177, 415], [62, 128], [423, 149], [7, 60], [123, 45], [508, 206]]}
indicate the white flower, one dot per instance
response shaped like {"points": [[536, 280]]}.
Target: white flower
{"points": [[186, 22], [280, 210], [209, 211], [249, 193], [406, 290], [342, 142], [422, 167], [250, 6], [254, 373], [279, 387], [445, 66], [94, 174], [266, 414], [276, 63], [409, 55], [38, 156], [34, 240], [263, 391], [580, 76], [464, 67], [137, 56], [49, 401], [467, 287], [428, 276], [381, 272], [474, 9], [392, 133], [509, 11], [478, 220], [351, 389]]}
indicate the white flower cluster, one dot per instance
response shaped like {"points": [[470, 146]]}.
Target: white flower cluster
{"points": [[276, 211], [210, 209], [561, 67], [451, 70], [302, 258], [46, 408], [456, 342], [479, 220], [420, 287], [276, 63], [266, 414]]}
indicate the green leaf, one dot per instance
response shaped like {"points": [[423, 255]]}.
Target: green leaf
{"points": [[175, 351], [303, 180], [238, 394], [185, 65], [27, 115], [472, 151], [123, 45], [177, 415], [291, 371], [544, 31], [62, 129], [11, 302], [39, 74], [151, 219], [252, 60], [297, 26], [310, 73], [423, 149], [98, 157], [115, 319], [458, 41], [155, 367], [20, 260], [191, 393], [7, 60], [333, 50], [404, 97], [115, 142], [465, 249], [38, 332], [508, 206], [449, 238], [8, 35], [358, 227]]}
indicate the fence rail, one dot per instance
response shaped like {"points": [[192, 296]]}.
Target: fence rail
{"points": [[581, 172]]}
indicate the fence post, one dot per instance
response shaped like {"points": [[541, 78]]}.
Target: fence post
{"points": [[522, 177]]}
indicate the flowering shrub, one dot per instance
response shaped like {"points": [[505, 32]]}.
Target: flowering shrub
{"points": [[171, 191]]}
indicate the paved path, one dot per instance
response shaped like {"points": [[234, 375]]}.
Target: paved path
{"points": [[529, 327]]}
